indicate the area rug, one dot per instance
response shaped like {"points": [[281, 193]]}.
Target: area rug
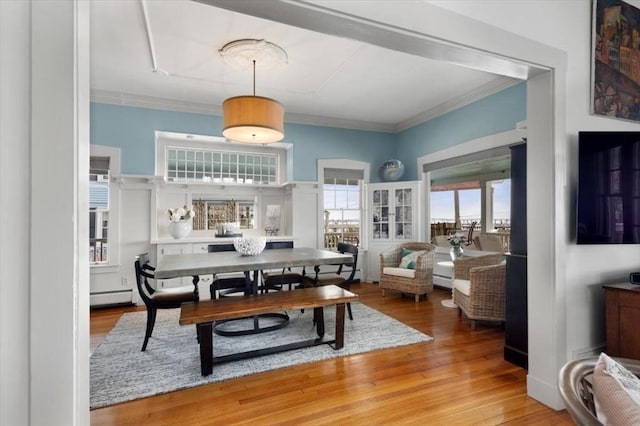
{"points": [[120, 372]]}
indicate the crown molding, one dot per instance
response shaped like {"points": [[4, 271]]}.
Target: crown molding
{"points": [[475, 95], [133, 100]]}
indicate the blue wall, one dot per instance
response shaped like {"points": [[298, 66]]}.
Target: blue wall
{"points": [[494, 114], [132, 130], [311, 143]]}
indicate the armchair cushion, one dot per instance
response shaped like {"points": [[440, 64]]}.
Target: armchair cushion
{"points": [[409, 258], [399, 272], [463, 286], [616, 393]]}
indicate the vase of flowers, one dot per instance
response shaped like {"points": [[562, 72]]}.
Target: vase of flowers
{"points": [[456, 242], [180, 223]]}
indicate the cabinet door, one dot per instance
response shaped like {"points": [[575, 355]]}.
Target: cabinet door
{"points": [[393, 211], [165, 249], [403, 216], [380, 214]]}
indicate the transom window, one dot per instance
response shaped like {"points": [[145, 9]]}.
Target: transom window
{"points": [[201, 165]]}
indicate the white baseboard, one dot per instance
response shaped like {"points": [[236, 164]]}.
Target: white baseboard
{"points": [[111, 298], [546, 393]]}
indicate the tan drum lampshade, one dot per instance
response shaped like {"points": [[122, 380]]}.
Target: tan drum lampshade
{"points": [[253, 119]]}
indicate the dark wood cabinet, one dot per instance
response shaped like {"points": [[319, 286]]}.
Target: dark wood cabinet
{"points": [[515, 316], [622, 318]]}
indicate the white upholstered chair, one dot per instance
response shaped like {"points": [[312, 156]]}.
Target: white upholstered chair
{"points": [[487, 242]]}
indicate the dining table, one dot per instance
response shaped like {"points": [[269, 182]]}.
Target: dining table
{"points": [[197, 264]]}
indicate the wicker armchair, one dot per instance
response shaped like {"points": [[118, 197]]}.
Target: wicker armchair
{"points": [[479, 287], [418, 281]]}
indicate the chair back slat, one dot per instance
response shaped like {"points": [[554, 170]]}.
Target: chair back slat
{"points": [[214, 248], [278, 245], [142, 268]]}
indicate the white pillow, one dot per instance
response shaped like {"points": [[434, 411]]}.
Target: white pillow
{"points": [[616, 393]]}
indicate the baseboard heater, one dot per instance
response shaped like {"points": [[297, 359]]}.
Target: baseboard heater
{"points": [[111, 298]]}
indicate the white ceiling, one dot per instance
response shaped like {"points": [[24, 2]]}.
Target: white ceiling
{"points": [[328, 80]]}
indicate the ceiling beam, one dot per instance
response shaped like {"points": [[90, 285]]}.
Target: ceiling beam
{"points": [[324, 20]]}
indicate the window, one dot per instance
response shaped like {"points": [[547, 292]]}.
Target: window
{"points": [[99, 188], [202, 165], [501, 217], [457, 206], [191, 158], [342, 213], [211, 214], [443, 208], [470, 207]]}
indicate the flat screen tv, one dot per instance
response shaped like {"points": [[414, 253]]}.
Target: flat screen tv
{"points": [[608, 188]]}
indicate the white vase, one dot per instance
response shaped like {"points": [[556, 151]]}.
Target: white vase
{"points": [[180, 229]]}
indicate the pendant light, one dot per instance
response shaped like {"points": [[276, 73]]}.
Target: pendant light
{"points": [[252, 119]]}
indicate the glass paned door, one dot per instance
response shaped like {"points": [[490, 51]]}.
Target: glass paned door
{"points": [[393, 208], [403, 214], [380, 214]]}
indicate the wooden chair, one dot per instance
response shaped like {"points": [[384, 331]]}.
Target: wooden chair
{"points": [[418, 281], [277, 279], [154, 299], [321, 278], [229, 283], [472, 227], [479, 287]]}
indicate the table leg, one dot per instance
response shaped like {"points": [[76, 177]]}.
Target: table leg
{"points": [[339, 326], [318, 315], [196, 292], [254, 291], [205, 337]]}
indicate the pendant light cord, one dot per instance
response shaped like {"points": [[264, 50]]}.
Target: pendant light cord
{"points": [[254, 77]]}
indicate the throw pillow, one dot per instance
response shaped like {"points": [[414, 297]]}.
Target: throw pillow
{"points": [[616, 393], [409, 257]]}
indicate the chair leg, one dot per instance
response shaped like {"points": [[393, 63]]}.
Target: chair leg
{"points": [[151, 320], [417, 297], [212, 291], [349, 311], [474, 324], [383, 292]]}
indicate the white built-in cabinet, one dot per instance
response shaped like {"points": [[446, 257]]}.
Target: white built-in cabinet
{"points": [[169, 248], [393, 212], [144, 220]]}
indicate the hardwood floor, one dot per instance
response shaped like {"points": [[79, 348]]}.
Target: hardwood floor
{"points": [[459, 378]]}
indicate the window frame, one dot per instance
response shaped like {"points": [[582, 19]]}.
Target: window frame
{"points": [[114, 261], [344, 164], [342, 227]]}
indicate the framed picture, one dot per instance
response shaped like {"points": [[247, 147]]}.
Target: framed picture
{"points": [[615, 66]]}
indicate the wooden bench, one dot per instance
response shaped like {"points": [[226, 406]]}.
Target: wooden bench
{"points": [[204, 313]]}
